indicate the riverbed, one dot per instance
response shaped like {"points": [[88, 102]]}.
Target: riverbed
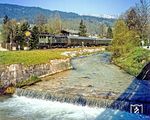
{"points": [[92, 76]]}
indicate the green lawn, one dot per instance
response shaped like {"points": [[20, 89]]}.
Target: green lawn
{"points": [[32, 57], [29, 57]]}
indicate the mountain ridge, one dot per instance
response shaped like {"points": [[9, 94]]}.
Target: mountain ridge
{"points": [[18, 12], [70, 20]]}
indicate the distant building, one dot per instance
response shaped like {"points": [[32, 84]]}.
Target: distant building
{"points": [[70, 32]]}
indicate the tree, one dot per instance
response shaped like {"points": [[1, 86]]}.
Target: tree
{"points": [[103, 30], [33, 42], [57, 23], [123, 39], [24, 27], [5, 30], [143, 13], [23, 38], [12, 26], [9, 30], [50, 28], [132, 20], [18, 37], [41, 21], [133, 23], [109, 32], [120, 30], [82, 29], [6, 19]]}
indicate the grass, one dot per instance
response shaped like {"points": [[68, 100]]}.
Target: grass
{"points": [[0, 38], [29, 57], [32, 57], [28, 82], [134, 61]]}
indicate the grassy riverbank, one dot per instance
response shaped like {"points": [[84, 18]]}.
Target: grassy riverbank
{"points": [[35, 56], [134, 61]]}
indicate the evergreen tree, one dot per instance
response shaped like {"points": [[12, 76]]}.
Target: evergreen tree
{"points": [[6, 19], [109, 32], [18, 37], [33, 42], [25, 27], [82, 29]]}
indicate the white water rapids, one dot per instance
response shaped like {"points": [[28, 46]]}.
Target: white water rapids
{"points": [[22, 108]]}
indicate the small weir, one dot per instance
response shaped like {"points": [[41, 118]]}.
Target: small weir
{"points": [[78, 99]]}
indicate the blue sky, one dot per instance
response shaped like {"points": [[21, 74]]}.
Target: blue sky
{"points": [[88, 7]]}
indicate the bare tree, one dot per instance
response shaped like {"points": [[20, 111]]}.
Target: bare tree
{"points": [[132, 20], [40, 21], [57, 23], [103, 30], [143, 13]]}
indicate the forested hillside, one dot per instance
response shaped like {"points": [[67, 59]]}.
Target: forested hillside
{"points": [[69, 20]]}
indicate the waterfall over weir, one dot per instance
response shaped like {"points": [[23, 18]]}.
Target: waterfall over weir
{"points": [[101, 113], [78, 99]]}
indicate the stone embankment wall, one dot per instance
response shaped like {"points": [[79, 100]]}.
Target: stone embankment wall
{"points": [[15, 73]]}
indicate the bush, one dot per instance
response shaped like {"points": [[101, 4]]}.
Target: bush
{"points": [[134, 61], [123, 39]]}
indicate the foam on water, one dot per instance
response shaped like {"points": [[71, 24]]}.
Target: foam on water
{"points": [[22, 108]]}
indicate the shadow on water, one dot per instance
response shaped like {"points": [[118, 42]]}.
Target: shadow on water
{"points": [[135, 99]]}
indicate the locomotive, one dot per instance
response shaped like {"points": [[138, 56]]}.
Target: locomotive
{"points": [[47, 40]]}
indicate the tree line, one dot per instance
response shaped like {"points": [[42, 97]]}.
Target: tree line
{"points": [[21, 33], [132, 29]]}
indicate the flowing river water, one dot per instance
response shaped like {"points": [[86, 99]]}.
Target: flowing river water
{"points": [[93, 77]]}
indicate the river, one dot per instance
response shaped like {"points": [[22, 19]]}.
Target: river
{"points": [[91, 76]]}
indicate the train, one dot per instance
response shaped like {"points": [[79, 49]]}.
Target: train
{"points": [[47, 40]]}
